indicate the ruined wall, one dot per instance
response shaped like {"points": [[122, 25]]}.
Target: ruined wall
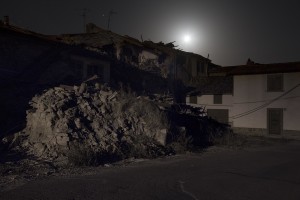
{"points": [[17, 51], [147, 57]]}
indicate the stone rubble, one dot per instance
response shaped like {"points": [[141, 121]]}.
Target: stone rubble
{"points": [[97, 118]]}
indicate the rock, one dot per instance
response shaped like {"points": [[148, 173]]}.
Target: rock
{"points": [[82, 88], [78, 123], [161, 136], [76, 88], [112, 96], [62, 140], [39, 149], [5, 140], [97, 86]]}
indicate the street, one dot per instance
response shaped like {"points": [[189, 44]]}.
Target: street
{"points": [[271, 172]]}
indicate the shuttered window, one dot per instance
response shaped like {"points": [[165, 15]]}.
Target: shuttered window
{"points": [[217, 99], [275, 82], [193, 99]]}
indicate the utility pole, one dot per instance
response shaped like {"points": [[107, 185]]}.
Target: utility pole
{"points": [[111, 12]]}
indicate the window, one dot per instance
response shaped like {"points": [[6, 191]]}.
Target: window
{"points": [[217, 99], [275, 82], [193, 99]]}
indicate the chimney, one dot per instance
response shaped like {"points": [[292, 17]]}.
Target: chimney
{"points": [[250, 62], [6, 20]]}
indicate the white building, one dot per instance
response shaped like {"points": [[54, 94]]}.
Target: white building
{"points": [[265, 99], [215, 94]]}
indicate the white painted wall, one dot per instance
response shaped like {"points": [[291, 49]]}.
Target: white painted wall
{"points": [[250, 92], [207, 101]]}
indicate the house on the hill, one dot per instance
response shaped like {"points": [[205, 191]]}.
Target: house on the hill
{"points": [[73, 67], [30, 57], [31, 62], [265, 98], [159, 58]]}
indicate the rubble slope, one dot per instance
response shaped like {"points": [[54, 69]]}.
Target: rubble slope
{"points": [[94, 120]]}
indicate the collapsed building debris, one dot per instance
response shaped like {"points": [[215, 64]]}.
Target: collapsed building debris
{"points": [[95, 124], [94, 118]]}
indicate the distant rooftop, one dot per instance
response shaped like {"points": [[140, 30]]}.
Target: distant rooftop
{"points": [[214, 85], [256, 68]]}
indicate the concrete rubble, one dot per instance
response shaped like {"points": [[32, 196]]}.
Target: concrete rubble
{"points": [[96, 118]]}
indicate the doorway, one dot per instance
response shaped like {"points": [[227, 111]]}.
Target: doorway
{"points": [[275, 121]]}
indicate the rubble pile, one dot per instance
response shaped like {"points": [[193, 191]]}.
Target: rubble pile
{"points": [[95, 118]]}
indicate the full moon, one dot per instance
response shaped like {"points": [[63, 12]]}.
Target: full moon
{"points": [[187, 38]]}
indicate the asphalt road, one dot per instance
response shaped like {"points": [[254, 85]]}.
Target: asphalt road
{"points": [[258, 173]]}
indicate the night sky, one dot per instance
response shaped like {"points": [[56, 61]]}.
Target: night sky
{"points": [[229, 31]]}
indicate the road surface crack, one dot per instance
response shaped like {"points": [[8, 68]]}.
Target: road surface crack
{"points": [[185, 191]]}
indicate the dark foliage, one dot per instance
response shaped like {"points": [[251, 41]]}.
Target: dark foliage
{"points": [[200, 130]]}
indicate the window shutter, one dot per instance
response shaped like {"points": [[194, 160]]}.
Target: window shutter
{"points": [[275, 82]]}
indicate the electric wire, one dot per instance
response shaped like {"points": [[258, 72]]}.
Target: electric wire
{"points": [[247, 102], [264, 105]]}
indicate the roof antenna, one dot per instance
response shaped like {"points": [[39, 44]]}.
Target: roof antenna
{"points": [[84, 16], [111, 12]]}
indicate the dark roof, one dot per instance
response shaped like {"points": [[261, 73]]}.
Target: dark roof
{"points": [[257, 69], [75, 50], [98, 37], [55, 51], [22, 31], [214, 85]]}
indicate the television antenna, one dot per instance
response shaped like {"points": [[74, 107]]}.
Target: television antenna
{"points": [[111, 12], [84, 17]]}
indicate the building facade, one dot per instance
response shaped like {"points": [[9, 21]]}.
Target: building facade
{"points": [[267, 103], [265, 99]]}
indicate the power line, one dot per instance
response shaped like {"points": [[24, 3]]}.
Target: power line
{"points": [[264, 105], [247, 102]]}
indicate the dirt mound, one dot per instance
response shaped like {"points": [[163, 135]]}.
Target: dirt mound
{"points": [[82, 121]]}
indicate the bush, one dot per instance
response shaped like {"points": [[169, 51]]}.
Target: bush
{"points": [[142, 147], [200, 130], [81, 155]]}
